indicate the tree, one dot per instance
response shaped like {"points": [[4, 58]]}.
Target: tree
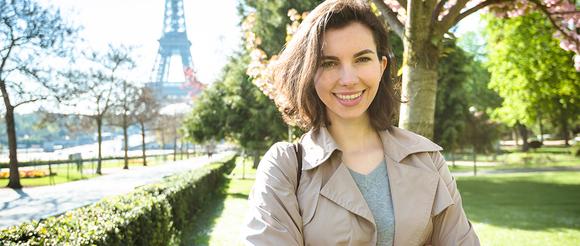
{"points": [[531, 73], [451, 112], [481, 133], [209, 110], [29, 34], [98, 83], [146, 109], [246, 116], [122, 111], [477, 85], [422, 26]]}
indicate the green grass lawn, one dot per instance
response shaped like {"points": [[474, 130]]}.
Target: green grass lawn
{"points": [[506, 209], [68, 173], [524, 209], [224, 220]]}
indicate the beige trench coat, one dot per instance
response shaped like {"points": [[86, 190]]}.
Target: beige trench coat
{"points": [[328, 208]]}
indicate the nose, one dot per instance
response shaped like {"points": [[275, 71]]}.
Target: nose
{"points": [[348, 75]]}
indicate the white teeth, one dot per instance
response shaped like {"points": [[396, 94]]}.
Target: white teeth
{"points": [[349, 97]]}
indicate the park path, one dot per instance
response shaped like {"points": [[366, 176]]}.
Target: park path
{"points": [[518, 170], [18, 206]]}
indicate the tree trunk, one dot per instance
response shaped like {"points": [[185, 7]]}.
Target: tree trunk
{"points": [[541, 129], [125, 141], [143, 143], [181, 149], [163, 144], [474, 162], [175, 147], [99, 142], [524, 134], [564, 133], [453, 158], [516, 137], [256, 157], [14, 181], [420, 60]]}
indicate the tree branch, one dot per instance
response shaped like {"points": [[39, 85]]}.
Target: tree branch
{"points": [[449, 19], [475, 9], [403, 3], [391, 18], [10, 47], [30, 100], [436, 12], [558, 27]]}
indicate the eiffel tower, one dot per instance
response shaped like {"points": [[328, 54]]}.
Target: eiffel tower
{"points": [[173, 42]]}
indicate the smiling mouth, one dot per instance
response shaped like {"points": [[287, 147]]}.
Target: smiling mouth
{"points": [[349, 97]]}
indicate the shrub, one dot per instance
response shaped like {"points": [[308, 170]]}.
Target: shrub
{"points": [[152, 215], [575, 149]]}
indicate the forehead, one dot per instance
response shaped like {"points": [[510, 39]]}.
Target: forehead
{"points": [[351, 38]]}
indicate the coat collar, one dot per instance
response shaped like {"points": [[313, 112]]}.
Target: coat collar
{"points": [[397, 144], [411, 187]]}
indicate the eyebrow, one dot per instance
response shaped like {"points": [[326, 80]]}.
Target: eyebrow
{"points": [[360, 53]]}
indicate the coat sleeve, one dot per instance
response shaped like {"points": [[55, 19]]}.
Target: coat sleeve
{"points": [[451, 226], [273, 216]]}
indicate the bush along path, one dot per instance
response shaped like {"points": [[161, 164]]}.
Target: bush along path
{"points": [[154, 214], [18, 206]]}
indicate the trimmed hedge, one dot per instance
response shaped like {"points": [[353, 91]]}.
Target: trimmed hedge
{"points": [[151, 215]]}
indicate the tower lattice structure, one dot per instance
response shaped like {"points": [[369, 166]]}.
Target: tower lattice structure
{"points": [[173, 42]]}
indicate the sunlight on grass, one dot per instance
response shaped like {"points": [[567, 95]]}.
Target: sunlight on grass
{"points": [[227, 228], [524, 209], [507, 209]]}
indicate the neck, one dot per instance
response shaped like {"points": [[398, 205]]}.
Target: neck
{"points": [[353, 135]]}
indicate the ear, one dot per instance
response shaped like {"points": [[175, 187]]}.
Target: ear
{"points": [[384, 63]]}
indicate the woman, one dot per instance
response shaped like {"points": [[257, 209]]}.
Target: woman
{"points": [[362, 181]]}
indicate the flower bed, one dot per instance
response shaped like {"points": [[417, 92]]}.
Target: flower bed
{"points": [[26, 174]]}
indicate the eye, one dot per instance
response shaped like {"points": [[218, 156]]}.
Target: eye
{"points": [[328, 64], [363, 59]]}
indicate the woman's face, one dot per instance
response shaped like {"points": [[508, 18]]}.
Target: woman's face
{"points": [[348, 77]]}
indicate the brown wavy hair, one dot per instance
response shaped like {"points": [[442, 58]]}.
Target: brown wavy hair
{"points": [[294, 71]]}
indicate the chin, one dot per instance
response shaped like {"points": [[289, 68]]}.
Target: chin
{"points": [[347, 116]]}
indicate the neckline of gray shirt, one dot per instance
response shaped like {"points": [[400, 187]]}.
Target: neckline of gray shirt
{"points": [[377, 193]]}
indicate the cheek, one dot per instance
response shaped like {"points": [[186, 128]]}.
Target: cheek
{"points": [[372, 74], [321, 84]]}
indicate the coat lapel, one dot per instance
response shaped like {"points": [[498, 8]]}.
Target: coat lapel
{"points": [[412, 191], [342, 190]]}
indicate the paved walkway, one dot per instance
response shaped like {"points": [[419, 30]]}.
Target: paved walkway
{"points": [[18, 206], [518, 170]]}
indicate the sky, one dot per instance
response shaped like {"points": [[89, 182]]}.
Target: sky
{"points": [[212, 28]]}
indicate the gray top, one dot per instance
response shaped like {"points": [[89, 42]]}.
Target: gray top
{"points": [[377, 193]]}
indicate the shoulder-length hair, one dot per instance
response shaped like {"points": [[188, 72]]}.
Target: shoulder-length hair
{"points": [[297, 64]]}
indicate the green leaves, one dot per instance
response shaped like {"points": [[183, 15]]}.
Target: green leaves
{"points": [[235, 109], [530, 71]]}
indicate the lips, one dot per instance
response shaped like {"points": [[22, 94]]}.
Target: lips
{"points": [[349, 99]]}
